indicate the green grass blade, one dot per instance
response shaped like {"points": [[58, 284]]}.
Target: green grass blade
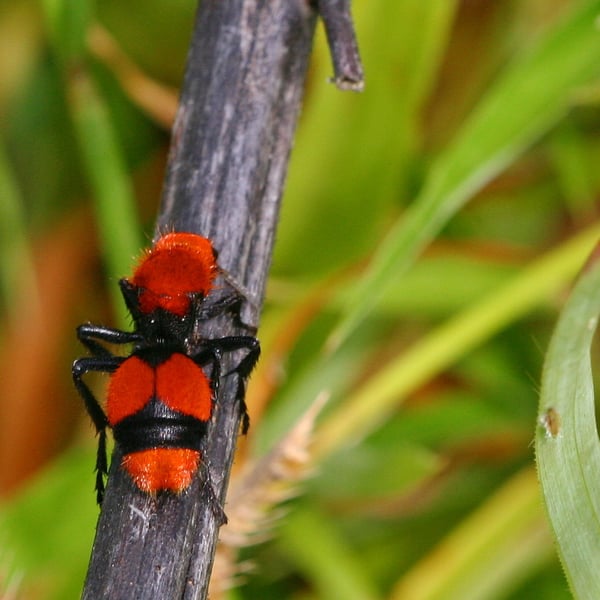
{"points": [[567, 448], [381, 393], [493, 550], [17, 272], [109, 180], [317, 548], [573, 159], [101, 155], [527, 101], [344, 139], [67, 22]]}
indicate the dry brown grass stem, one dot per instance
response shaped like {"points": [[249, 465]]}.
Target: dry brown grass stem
{"points": [[255, 495]]}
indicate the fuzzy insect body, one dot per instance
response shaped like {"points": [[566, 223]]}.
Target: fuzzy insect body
{"points": [[159, 398]]}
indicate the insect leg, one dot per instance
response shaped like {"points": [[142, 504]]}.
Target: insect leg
{"points": [[103, 364], [89, 335]]}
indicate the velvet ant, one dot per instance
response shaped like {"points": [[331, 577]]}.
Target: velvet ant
{"points": [[159, 399]]}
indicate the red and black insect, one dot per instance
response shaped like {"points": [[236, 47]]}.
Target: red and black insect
{"points": [[159, 399]]}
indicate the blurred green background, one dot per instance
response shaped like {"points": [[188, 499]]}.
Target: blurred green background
{"points": [[431, 229]]}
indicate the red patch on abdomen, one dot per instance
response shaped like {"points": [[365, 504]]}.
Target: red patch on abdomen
{"points": [[130, 388], [182, 386], [160, 469]]}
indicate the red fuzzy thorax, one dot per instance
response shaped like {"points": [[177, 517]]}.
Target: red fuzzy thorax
{"points": [[177, 267]]}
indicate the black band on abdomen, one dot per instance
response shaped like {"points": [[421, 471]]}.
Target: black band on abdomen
{"points": [[137, 433]]}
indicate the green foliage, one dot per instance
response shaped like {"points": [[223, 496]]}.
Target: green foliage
{"points": [[524, 102], [46, 533], [567, 447], [430, 229]]}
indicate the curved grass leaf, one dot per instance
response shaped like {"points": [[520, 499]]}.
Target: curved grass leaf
{"points": [[567, 447], [527, 101], [371, 403]]}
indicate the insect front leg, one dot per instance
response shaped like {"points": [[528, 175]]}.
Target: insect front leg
{"points": [[90, 335]]}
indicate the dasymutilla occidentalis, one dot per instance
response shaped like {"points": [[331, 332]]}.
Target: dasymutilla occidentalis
{"points": [[159, 399]]}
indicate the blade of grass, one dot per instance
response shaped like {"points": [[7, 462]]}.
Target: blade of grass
{"points": [[572, 158], [67, 23], [528, 100], [402, 45], [109, 179], [374, 400], [312, 542], [566, 441], [17, 273], [489, 553]]}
